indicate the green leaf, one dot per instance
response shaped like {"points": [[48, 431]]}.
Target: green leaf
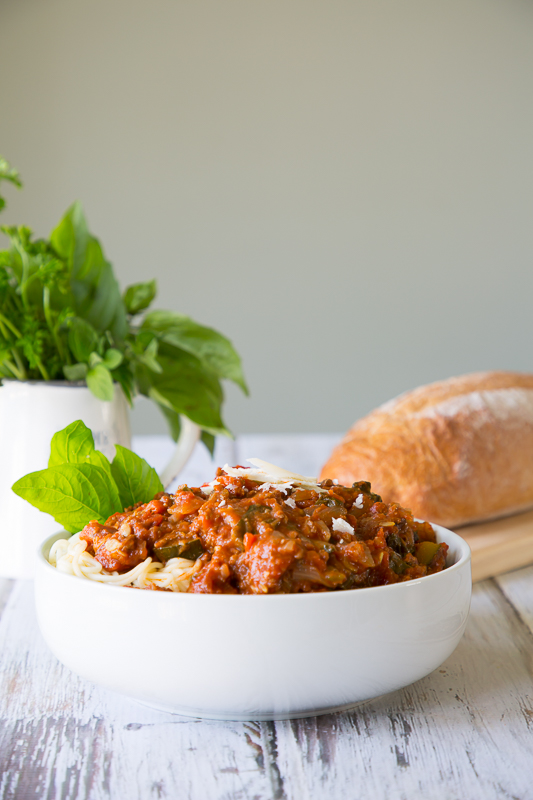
{"points": [[124, 376], [100, 460], [96, 291], [8, 173], [73, 494], [173, 419], [138, 296], [149, 356], [95, 359], [209, 440], [214, 350], [71, 445], [100, 382], [113, 358], [75, 445], [70, 239], [137, 481], [82, 339], [75, 372], [186, 387], [80, 484]]}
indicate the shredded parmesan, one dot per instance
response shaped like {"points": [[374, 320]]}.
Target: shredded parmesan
{"points": [[274, 477], [290, 502], [358, 503], [342, 526]]}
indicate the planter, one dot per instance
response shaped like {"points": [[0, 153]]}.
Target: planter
{"points": [[30, 413]]}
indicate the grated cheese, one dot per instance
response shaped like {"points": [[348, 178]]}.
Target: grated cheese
{"points": [[270, 475], [342, 526]]}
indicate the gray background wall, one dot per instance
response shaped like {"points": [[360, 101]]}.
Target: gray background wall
{"points": [[342, 187]]}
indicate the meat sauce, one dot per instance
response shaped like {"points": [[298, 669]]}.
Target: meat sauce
{"points": [[251, 538]]}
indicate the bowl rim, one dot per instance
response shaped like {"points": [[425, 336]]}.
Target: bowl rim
{"points": [[463, 560]]}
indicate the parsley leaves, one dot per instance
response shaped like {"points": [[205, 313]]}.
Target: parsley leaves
{"points": [[62, 316]]}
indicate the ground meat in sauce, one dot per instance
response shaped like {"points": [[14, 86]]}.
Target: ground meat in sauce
{"points": [[252, 540]]}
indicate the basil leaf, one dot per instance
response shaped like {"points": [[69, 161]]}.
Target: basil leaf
{"points": [[70, 238], [113, 358], [82, 339], [75, 372], [103, 305], [149, 356], [136, 480], [73, 494], [100, 382], [125, 376], [186, 387], [138, 296], [98, 459], [95, 289], [173, 419], [75, 445], [209, 440], [214, 350], [71, 445]]}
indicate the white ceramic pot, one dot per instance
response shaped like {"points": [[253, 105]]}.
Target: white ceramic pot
{"points": [[255, 656], [30, 413]]}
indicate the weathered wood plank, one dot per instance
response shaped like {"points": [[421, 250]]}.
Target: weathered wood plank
{"points": [[467, 723], [517, 587], [61, 737], [466, 731]]}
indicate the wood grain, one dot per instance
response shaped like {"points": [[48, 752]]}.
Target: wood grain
{"points": [[465, 732], [500, 546], [465, 724]]}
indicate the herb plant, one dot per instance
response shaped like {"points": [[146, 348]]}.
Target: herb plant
{"points": [[80, 485], [62, 316]]}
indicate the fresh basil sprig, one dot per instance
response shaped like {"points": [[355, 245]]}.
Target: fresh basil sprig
{"points": [[62, 316], [81, 485]]}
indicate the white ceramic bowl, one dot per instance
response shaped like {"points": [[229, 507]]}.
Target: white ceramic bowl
{"points": [[250, 657]]}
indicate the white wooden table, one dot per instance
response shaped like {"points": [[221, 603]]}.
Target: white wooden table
{"points": [[465, 732]]}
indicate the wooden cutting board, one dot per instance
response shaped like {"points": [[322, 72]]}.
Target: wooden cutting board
{"points": [[500, 546]]}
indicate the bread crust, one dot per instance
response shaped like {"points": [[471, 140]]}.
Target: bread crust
{"points": [[454, 452]]}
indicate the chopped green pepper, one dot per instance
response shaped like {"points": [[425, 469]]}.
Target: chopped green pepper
{"points": [[331, 502], [191, 549], [425, 552]]}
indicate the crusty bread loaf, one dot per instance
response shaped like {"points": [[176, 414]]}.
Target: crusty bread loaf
{"points": [[454, 452]]}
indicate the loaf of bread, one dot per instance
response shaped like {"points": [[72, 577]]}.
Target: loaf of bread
{"points": [[454, 452]]}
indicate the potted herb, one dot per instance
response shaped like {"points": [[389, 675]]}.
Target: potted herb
{"points": [[72, 346]]}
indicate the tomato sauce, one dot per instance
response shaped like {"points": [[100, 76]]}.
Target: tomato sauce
{"points": [[254, 538]]}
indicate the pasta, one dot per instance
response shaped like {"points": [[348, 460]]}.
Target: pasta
{"points": [[70, 556]]}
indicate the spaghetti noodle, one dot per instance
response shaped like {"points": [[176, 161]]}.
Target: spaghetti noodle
{"points": [[71, 556]]}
